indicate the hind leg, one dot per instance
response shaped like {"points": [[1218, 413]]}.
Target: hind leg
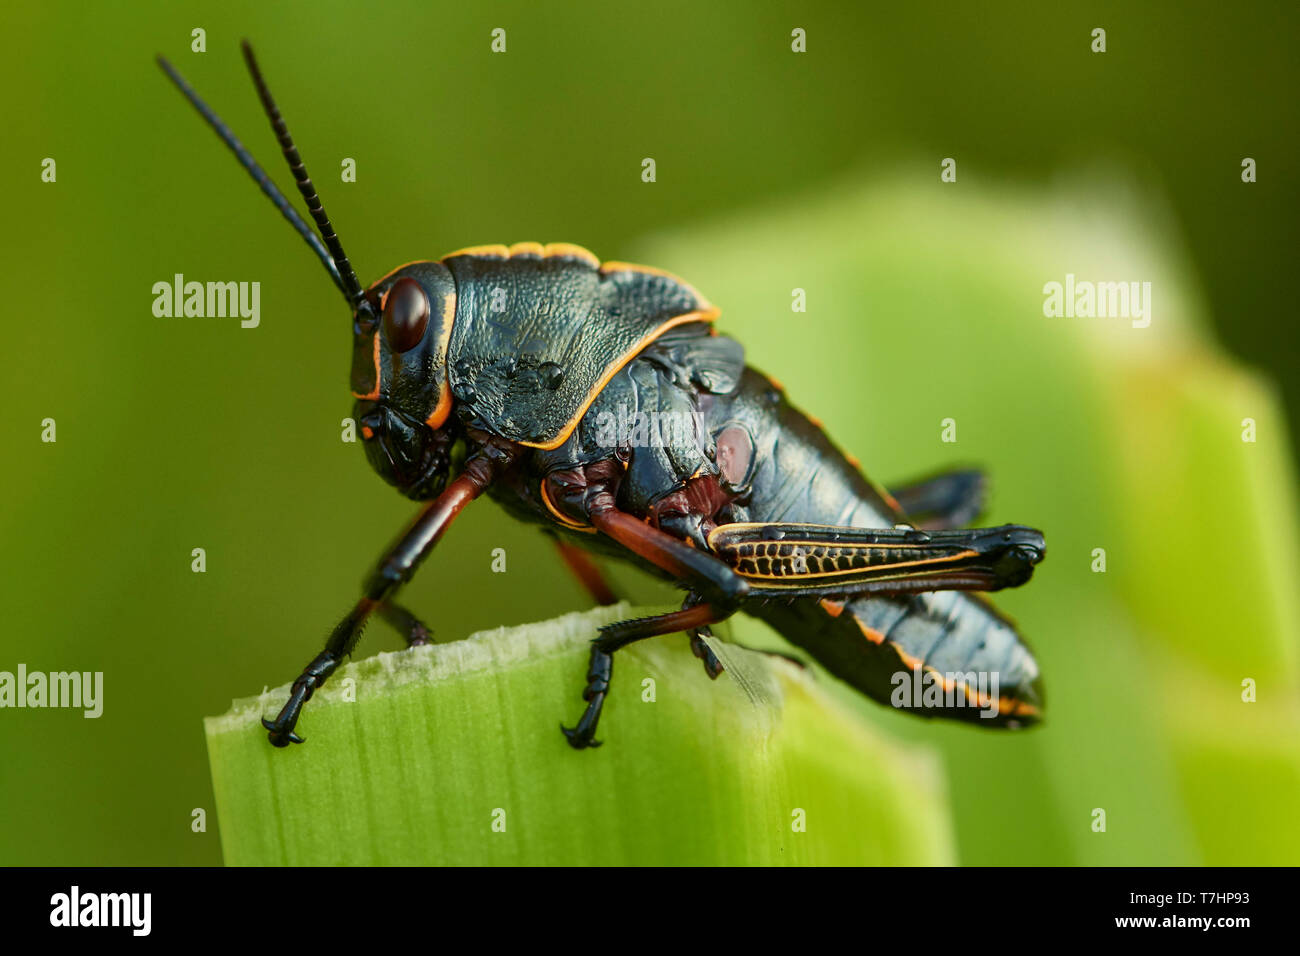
{"points": [[949, 500]]}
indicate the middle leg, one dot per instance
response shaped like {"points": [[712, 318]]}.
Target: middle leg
{"points": [[716, 591], [600, 667]]}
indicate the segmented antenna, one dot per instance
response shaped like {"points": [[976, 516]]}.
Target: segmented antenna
{"points": [[333, 258], [350, 284]]}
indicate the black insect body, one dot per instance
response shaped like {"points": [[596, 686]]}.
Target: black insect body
{"points": [[597, 400]]}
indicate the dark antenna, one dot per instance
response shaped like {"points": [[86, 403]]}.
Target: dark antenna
{"points": [[333, 258], [350, 284]]}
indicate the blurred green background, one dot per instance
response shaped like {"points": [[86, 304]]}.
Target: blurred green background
{"points": [[775, 171]]}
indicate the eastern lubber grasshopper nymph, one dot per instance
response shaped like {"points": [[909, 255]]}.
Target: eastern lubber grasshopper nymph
{"points": [[496, 370]]}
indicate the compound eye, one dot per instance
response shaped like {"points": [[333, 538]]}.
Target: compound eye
{"points": [[406, 315]]}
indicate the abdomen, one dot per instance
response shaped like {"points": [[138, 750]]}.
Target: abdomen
{"points": [[945, 653]]}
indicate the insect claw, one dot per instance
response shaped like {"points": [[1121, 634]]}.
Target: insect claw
{"points": [[278, 735], [579, 739], [712, 666]]}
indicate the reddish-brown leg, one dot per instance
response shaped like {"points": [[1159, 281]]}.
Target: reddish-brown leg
{"points": [[600, 668], [585, 570]]}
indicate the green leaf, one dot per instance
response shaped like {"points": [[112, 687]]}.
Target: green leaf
{"points": [[413, 756]]}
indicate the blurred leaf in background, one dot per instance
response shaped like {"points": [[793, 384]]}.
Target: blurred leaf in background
{"points": [[1105, 434]]}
